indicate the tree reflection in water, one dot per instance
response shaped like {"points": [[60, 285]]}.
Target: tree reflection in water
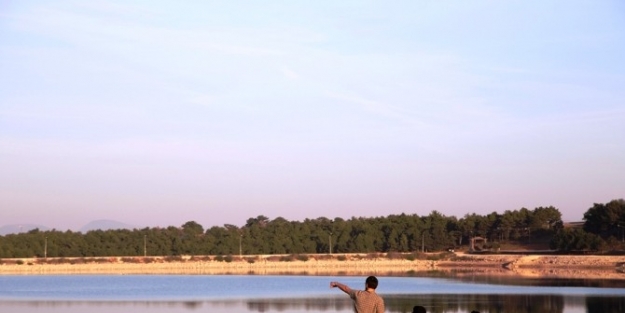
{"points": [[439, 303], [435, 303]]}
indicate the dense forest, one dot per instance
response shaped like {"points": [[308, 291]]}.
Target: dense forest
{"points": [[603, 230]]}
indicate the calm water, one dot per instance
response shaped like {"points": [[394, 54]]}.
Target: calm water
{"points": [[195, 293]]}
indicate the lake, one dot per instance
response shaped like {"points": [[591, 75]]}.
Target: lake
{"points": [[234, 293]]}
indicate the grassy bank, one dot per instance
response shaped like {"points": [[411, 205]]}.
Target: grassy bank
{"points": [[564, 266]]}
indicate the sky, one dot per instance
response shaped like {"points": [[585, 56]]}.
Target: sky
{"points": [[155, 113]]}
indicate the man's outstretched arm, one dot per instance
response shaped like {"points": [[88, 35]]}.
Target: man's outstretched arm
{"points": [[345, 288]]}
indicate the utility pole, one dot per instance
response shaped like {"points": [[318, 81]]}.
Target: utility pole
{"points": [[330, 237], [45, 248], [330, 241], [423, 239], [240, 248], [145, 245]]}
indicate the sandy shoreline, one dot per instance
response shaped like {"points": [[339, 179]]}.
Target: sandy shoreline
{"points": [[539, 266]]}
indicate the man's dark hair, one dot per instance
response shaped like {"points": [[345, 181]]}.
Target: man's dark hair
{"points": [[418, 309], [372, 282]]}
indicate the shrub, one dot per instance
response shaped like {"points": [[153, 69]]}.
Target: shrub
{"points": [[341, 258], [273, 258], [495, 245], [228, 258], [302, 257], [324, 257], [394, 255], [372, 256], [440, 256], [173, 258], [462, 258], [576, 240], [200, 258]]}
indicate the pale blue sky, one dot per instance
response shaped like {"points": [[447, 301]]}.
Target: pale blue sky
{"points": [[156, 113]]}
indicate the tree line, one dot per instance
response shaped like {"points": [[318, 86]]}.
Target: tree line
{"points": [[603, 224]]}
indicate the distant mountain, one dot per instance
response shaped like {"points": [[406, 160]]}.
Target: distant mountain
{"points": [[20, 228], [105, 225]]}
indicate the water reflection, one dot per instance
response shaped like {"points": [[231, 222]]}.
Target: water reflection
{"points": [[600, 304], [481, 303], [435, 303], [506, 277], [306, 305]]}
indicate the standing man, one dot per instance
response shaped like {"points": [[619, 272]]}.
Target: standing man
{"points": [[366, 301]]}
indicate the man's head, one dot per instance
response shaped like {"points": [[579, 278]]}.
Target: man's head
{"points": [[418, 309], [371, 282]]}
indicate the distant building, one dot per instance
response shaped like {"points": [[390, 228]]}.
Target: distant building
{"points": [[574, 225]]}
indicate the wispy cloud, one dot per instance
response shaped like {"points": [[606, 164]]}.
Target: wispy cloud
{"points": [[204, 100], [379, 109], [88, 30], [288, 73]]}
